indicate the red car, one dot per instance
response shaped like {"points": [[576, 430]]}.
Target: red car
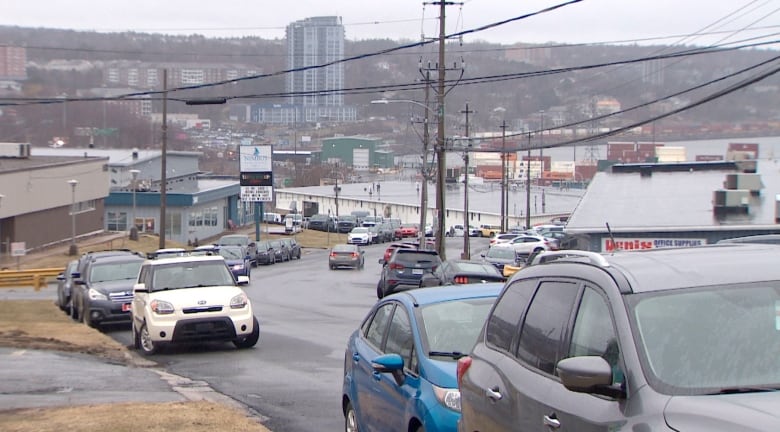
{"points": [[407, 230]]}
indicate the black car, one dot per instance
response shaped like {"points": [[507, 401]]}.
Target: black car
{"points": [[386, 232], [240, 240], [293, 246], [346, 223], [322, 222], [458, 271], [81, 267], [103, 292], [673, 339], [65, 286], [405, 269], [282, 252], [265, 253]]}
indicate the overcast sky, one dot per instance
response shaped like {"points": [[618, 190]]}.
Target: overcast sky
{"points": [[585, 21]]}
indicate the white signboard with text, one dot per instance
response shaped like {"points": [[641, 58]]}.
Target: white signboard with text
{"points": [[257, 193], [255, 158], [18, 249]]}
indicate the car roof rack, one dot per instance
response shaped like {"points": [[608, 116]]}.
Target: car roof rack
{"points": [[594, 258]]}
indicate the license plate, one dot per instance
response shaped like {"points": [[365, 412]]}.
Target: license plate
{"points": [[126, 307], [417, 271]]}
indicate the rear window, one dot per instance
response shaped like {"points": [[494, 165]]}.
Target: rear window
{"points": [[403, 256]]}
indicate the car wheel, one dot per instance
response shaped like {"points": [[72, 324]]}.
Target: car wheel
{"points": [[332, 267], [85, 318], [145, 342], [68, 306], [251, 340], [249, 273], [136, 337], [74, 311], [420, 429], [379, 292], [350, 419]]}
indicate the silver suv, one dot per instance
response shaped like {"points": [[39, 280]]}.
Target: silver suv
{"points": [[191, 299], [676, 339]]}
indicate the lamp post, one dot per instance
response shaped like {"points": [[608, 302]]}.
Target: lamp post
{"points": [[1, 235], [74, 250], [133, 225]]}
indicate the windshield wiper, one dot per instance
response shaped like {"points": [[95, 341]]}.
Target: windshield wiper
{"points": [[454, 354], [746, 389]]}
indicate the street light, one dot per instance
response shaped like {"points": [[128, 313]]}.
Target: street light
{"points": [[74, 250], [134, 227], [1, 235]]}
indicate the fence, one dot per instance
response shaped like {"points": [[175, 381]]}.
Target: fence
{"points": [[36, 278]]}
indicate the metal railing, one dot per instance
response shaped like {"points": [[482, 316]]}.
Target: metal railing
{"points": [[36, 278]]}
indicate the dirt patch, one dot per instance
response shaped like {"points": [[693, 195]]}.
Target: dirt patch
{"points": [[160, 417], [39, 324]]}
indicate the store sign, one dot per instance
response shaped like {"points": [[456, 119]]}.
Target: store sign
{"points": [[255, 158], [257, 193], [18, 249], [632, 243]]}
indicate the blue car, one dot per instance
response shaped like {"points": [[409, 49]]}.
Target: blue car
{"points": [[400, 365], [237, 259]]}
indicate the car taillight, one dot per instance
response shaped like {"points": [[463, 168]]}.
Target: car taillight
{"points": [[396, 266], [354, 255], [461, 280], [333, 254], [464, 363]]}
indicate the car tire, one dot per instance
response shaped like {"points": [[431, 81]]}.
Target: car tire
{"points": [[249, 273], [85, 318], [136, 337], [74, 311], [146, 345], [379, 291], [350, 419], [68, 306], [251, 340], [332, 267]]}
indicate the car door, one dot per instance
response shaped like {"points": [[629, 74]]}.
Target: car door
{"points": [[367, 346], [592, 334]]}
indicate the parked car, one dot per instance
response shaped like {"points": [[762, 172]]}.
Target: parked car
{"points": [[374, 234], [293, 246], [346, 223], [400, 364], [237, 260], [104, 291], [458, 271], [455, 231], [371, 220], [474, 231], [281, 252], [322, 222], [500, 257], [65, 286], [190, 299], [240, 240], [526, 244], [590, 341], [502, 238], [405, 269], [346, 255], [265, 253], [386, 232], [428, 230], [407, 230], [489, 230], [359, 236], [81, 269]]}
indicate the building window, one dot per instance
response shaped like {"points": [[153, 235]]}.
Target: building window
{"points": [[116, 221]]}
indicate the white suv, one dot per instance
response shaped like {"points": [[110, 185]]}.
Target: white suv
{"points": [[191, 299]]}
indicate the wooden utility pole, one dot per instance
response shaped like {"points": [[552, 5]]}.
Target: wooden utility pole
{"points": [[163, 159], [503, 178], [466, 240]]}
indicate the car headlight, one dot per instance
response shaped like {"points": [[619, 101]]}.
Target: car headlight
{"points": [[238, 267], [161, 307], [239, 302], [96, 295], [448, 397]]}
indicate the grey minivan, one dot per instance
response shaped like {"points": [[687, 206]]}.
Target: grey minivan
{"points": [[674, 339]]}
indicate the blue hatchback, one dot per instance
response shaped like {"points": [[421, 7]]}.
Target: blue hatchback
{"points": [[400, 365]]}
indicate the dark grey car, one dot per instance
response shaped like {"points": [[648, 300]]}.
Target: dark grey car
{"points": [[676, 339]]}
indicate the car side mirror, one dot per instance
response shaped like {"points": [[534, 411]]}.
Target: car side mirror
{"points": [[140, 288], [381, 261], [390, 363], [587, 374]]}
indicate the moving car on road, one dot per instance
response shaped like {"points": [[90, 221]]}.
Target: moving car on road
{"points": [[346, 255], [405, 269], [400, 364], [359, 236], [237, 259], [240, 240], [458, 271]]}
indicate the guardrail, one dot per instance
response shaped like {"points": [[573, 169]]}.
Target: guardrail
{"points": [[36, 278]]}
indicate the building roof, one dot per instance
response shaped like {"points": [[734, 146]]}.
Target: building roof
{"points": [[35, 162], [119, 157], [672, 198]]}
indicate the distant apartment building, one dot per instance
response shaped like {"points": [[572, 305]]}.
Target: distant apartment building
{"points": [[313, 45], [143, 75], [13, 63], [527, 53]]}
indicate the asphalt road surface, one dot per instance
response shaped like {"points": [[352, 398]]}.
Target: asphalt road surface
{"points": [[306, 313]]}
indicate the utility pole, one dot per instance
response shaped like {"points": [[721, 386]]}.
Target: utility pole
{"points": [[163, 159], [424, 170], [528, 185], [440, 155], [466, 240], [503, 177], [541, 145]]}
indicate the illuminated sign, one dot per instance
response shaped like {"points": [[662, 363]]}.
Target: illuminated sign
{"points": [[257, 179]]}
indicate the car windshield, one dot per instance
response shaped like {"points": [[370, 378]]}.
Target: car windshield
{"points": [[708, 340], [115, 271], [360, 230], [191, 275], [344, 248], [504, 253], [237, 240], [411, 258], [231, 253], [451, 328]]}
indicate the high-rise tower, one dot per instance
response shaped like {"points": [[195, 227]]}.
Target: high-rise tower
{"points": [[313, 42]]}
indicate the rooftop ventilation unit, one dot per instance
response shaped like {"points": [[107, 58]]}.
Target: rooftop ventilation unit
{"points": [[731, 201], [750, 182]]}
